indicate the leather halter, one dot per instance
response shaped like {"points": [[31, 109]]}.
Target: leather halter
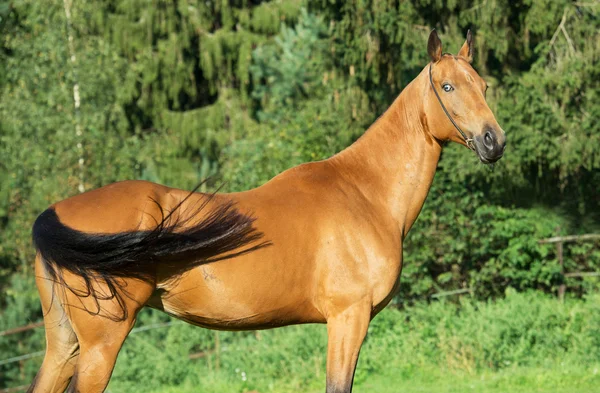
{"points": [[468, 141]]}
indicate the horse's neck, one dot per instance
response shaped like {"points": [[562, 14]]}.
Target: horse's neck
{"points": [[394, 162]]}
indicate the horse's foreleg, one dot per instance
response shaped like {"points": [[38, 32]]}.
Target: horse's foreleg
{"points": [[346, 331]]}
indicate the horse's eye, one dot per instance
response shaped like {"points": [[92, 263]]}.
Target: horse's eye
{"points": [[447, 88]]}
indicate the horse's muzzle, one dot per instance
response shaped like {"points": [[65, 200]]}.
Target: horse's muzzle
{"points": [[490, 145]]}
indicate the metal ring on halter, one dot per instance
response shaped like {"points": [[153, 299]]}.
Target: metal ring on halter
{"points": [[468, 141]]}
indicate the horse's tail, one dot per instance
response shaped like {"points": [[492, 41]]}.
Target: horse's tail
{"points": [[177, 244]]}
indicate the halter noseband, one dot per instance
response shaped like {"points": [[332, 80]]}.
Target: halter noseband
{"points": [[468, 141]]}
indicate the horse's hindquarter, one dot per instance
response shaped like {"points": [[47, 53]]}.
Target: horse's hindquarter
{"points": [[117, 207], [327, 251]]}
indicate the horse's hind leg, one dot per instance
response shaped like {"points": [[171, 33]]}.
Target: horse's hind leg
{"points": [[99, 350], [62, 347], [101, 337]]}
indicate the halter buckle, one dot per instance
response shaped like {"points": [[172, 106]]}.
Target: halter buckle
{"points": [[470, 143]]}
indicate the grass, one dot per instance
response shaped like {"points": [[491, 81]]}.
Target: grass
{"points": [[557, 379]]}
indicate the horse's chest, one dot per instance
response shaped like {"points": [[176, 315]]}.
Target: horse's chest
{"points": [[385, 280], [362, 273]]}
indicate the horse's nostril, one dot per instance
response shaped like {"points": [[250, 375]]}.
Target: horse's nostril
{"points": [[488, 140]]}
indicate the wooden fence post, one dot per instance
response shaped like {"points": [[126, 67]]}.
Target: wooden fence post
{"points": [[563, 286]]}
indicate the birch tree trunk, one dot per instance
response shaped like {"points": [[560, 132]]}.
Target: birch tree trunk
{"points": [[76, 96]]}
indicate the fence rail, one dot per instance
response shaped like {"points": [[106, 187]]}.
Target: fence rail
{"points": [[15, 389], [20, 329], [41, 353], [571, 238], [450, 293], [582, 274]]}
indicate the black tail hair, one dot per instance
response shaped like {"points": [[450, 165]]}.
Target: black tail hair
{"points": [[176, 243]]}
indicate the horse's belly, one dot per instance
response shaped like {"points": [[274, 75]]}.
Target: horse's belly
{"points": [[228, 321], [219, 298]]}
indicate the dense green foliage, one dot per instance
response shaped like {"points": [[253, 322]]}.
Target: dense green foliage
{"points": [[175, 92]]}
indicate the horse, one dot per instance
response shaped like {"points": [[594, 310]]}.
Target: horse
{"points": [[319, 243]]}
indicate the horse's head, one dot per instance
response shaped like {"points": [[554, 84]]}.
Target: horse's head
{"points": [[455, 103]]}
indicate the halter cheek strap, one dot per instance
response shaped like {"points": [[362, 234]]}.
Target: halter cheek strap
{"points": [[468, 141]]}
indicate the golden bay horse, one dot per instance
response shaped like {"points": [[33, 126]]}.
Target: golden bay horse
{"points": [[319, 243]]}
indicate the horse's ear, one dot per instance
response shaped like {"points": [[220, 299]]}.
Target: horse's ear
{"points": [[434, 46], [467, 49]]}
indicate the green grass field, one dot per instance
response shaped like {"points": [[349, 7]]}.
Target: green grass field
{"points": [[430, 380], [515, 380]]}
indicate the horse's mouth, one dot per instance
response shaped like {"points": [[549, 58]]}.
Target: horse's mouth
{"points": [[485, 160]]}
